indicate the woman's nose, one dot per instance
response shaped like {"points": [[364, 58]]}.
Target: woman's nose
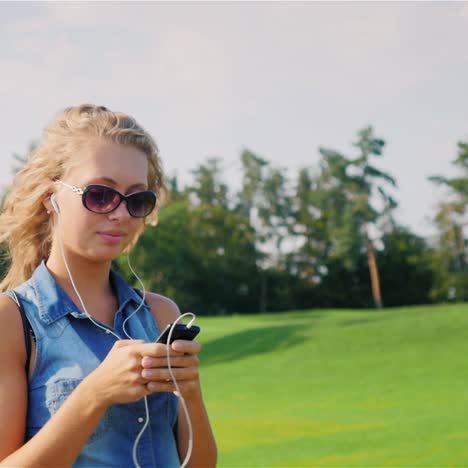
{"points": [[120, 212]]}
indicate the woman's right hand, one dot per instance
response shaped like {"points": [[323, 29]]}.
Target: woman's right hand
{"points": [[118, 378]]}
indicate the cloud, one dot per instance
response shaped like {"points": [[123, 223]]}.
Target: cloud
{"points": [[201, 51], [201, 64]]}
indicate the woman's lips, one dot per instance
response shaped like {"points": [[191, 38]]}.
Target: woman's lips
{"points": [[111, 237]]}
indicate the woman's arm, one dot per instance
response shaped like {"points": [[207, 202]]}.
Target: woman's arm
{"points": [[60, 441], [13, 385], [185, 366]]}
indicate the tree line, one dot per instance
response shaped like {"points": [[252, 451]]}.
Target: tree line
{"points": [[325, 237]]}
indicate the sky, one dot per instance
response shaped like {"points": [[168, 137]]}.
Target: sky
{"points": [[279, 78]]}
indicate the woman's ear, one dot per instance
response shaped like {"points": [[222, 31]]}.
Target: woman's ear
{"points": [[47, 203]]}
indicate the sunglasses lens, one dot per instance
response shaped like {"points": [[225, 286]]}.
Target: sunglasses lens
{"points": [[141, 204], [101, 199]]}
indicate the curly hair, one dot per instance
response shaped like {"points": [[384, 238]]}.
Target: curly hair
{"points": [[25, 227]]}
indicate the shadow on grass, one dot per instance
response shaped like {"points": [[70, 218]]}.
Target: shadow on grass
{"points": [[250, 342]]}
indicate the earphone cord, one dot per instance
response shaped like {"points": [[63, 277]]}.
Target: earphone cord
{"points": [[108, 330], [178, 392]]}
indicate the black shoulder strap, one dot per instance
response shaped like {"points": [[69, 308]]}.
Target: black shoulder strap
{"points": [[26, 327]]}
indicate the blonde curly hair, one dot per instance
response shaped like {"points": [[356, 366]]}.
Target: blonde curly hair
{"points": [[25, 226]]}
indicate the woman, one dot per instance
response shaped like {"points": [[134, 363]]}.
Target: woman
{"points": [[89, 398]]}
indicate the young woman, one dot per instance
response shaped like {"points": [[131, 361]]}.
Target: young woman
{"points": [[97, 390]]}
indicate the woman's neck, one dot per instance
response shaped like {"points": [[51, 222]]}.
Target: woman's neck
{"points": [[90, 278]]}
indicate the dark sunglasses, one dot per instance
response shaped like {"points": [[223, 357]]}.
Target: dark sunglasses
{"points": [[102, 199]]}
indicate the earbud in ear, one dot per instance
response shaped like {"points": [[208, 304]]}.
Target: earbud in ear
{"points": [[54, 203]]}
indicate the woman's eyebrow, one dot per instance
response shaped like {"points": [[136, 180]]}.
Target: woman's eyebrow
{"points": [[111, 181]]}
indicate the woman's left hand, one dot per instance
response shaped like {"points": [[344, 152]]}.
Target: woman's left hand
{"points": [[184, 364]]}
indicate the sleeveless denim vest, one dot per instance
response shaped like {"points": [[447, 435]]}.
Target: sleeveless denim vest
{"points": [[69, 347]]}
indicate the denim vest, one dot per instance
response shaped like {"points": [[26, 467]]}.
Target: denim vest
{"points": [[69, 347]]}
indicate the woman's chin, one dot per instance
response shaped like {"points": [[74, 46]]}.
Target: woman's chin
{"points": [[104, 254]]}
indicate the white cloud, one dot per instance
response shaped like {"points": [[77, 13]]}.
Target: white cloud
{"points": [[204, 50]]}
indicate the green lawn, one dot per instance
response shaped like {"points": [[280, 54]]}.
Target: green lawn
{"points": [[339, 387]]}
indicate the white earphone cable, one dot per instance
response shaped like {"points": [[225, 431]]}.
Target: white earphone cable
{"points": [[107, 330], [179, 393], [143, 296]]}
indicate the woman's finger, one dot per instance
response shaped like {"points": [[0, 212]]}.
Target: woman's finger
{"points": [[154, 350], [163, 375], [189, 360], [186, 347], [160, 386]]}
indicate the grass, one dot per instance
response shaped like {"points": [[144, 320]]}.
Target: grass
{"points": [[339, 388]]}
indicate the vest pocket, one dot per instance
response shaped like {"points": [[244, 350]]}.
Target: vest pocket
{"points": [[58, 392]]}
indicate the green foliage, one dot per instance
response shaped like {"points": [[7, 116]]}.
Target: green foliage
{"points": [[339, 206], [253, 175], [349, 187], [274, 208], [405, 265], [450, 265], [207, 185], [449, 284], [265, 202]]}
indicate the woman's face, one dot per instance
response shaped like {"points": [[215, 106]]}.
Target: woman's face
{"points": [[100, 237]]}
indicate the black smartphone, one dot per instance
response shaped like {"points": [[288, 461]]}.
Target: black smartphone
{"points": [[181, 332]]}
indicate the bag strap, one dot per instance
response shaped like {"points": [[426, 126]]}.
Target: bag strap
{"points": [[26, 327]]}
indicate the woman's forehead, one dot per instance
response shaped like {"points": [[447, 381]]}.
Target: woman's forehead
{"points": [[103, 159]]}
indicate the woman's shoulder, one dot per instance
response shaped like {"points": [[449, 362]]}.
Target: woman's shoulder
{"points": [[11, 330], [9, 312], [164, 309], [13, 382]]}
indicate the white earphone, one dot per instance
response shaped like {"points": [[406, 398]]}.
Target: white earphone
{"points": [[54, 203]]}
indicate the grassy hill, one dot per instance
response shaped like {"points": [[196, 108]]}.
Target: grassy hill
{"points": [[339, 388]]}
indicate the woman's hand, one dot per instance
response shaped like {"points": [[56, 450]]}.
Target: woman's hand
{"points": [[184, 364], [119, 379]]}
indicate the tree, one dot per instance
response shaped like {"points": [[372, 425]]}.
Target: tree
{"points": [[208, 186], [405, 265], [352, 185], [253, 174], [449, 264], [275, 210], [450, 261], [175, 193], [310, 229]]}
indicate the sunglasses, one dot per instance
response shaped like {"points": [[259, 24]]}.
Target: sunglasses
{"points": [[102, 199]]}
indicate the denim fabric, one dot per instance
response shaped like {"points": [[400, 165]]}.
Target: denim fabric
{"points": [[69, 347]]}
